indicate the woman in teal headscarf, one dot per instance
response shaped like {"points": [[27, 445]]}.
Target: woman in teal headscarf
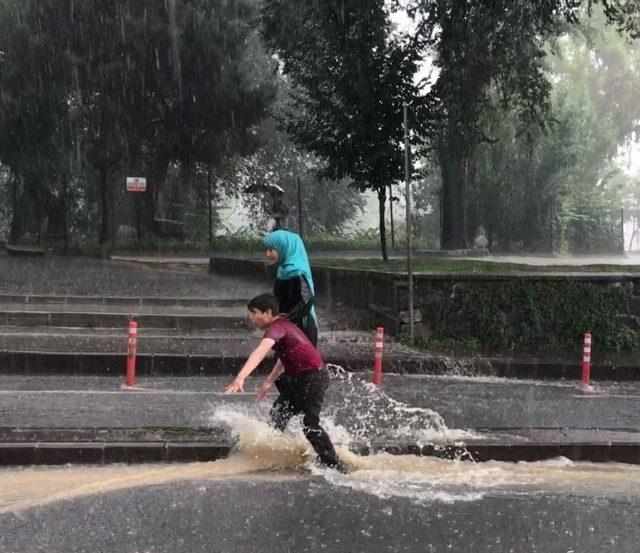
{"points": [[294, 284]]}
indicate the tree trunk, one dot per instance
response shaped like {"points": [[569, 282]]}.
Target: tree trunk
{"points": [[138, 210], [455, 181], [17, 223], [105, 226], [382, 197], [149, 199], [65, 209], [209, 206], [393, 233], [135, 168]]}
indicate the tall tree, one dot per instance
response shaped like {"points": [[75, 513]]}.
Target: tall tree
{"points": [[35, 136], [560, 189], [350, 76], [483, 47], [144, 83]]}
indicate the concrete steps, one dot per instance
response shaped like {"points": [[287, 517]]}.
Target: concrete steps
{"points": [[101, 315], [86, 335]]}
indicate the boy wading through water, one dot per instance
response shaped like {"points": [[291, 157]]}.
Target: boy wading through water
{"points": [[304, 382]]}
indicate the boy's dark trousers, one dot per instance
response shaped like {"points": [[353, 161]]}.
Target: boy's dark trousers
{"points": [[304, 394]]}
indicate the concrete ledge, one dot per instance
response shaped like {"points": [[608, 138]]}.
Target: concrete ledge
{"points": [[142, 434], [360, 288], [594, 452], [131, 452], [60, 446], [119, 320], [64, 453], [460, 254], [25, 251], [109, 364], [258, 268], [42, 363], [223, 364], [120, 300], [600, 448], [60, 453]]}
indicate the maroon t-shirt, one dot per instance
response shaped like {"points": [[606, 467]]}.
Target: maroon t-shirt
{"points": [[293, 348]]}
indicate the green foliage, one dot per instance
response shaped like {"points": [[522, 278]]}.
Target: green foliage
{"points": [[124, 88], [546, 317], [244, 241], [491, 58], [435, 265], [440, 344], [541, 315], [327, 205], [559, 189]]}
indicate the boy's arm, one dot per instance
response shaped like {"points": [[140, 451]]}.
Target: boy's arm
{"points": [[256, 357], [268, 383]]}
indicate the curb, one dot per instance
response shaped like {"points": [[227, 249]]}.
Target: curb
{"points": [[120, 301], [593, 452], [59, 446], [92, 453], [39, 363], [118, 320]]}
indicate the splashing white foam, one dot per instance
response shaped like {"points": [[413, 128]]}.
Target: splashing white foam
{"points": [[367, 413], [423, 479]]}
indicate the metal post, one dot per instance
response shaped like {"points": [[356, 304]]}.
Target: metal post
{"points": [[393, 234], [209, 206], [377, 358], [132, 348], [407, 178], [300, 229], [622, 229], [585, 384]]}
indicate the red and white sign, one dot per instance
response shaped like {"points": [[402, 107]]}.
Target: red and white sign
{"points": [[136, 184]]}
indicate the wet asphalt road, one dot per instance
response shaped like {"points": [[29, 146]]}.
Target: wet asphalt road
{"points": [[462, 402], [264, 514]]}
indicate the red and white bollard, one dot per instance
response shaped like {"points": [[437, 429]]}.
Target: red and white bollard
{"points": [[377, 362], [585, 384], [132, 348]]}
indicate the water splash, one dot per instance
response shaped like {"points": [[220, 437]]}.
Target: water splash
{"points": [[368, 414]]}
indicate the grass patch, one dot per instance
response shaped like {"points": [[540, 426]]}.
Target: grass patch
{"points": [[468, 266], [440, 344]]}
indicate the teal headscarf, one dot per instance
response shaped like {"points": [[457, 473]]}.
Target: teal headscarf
{"points": [[292, 258], [292, 255]]}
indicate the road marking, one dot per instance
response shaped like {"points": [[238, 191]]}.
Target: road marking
{"points": [[606, 396], [145, 391]]}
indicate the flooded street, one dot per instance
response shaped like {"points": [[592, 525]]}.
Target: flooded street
{"points": [[269, 495], [270, 492], [387, 504]]}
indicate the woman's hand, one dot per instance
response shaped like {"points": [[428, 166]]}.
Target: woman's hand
{"points": [[236, 386]]}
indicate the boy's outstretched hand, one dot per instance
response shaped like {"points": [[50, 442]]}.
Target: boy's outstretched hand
{"points": [[263, 390], [236, 386]]}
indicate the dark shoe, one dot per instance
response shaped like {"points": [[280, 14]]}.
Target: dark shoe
{"points": [[336, 465]]}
